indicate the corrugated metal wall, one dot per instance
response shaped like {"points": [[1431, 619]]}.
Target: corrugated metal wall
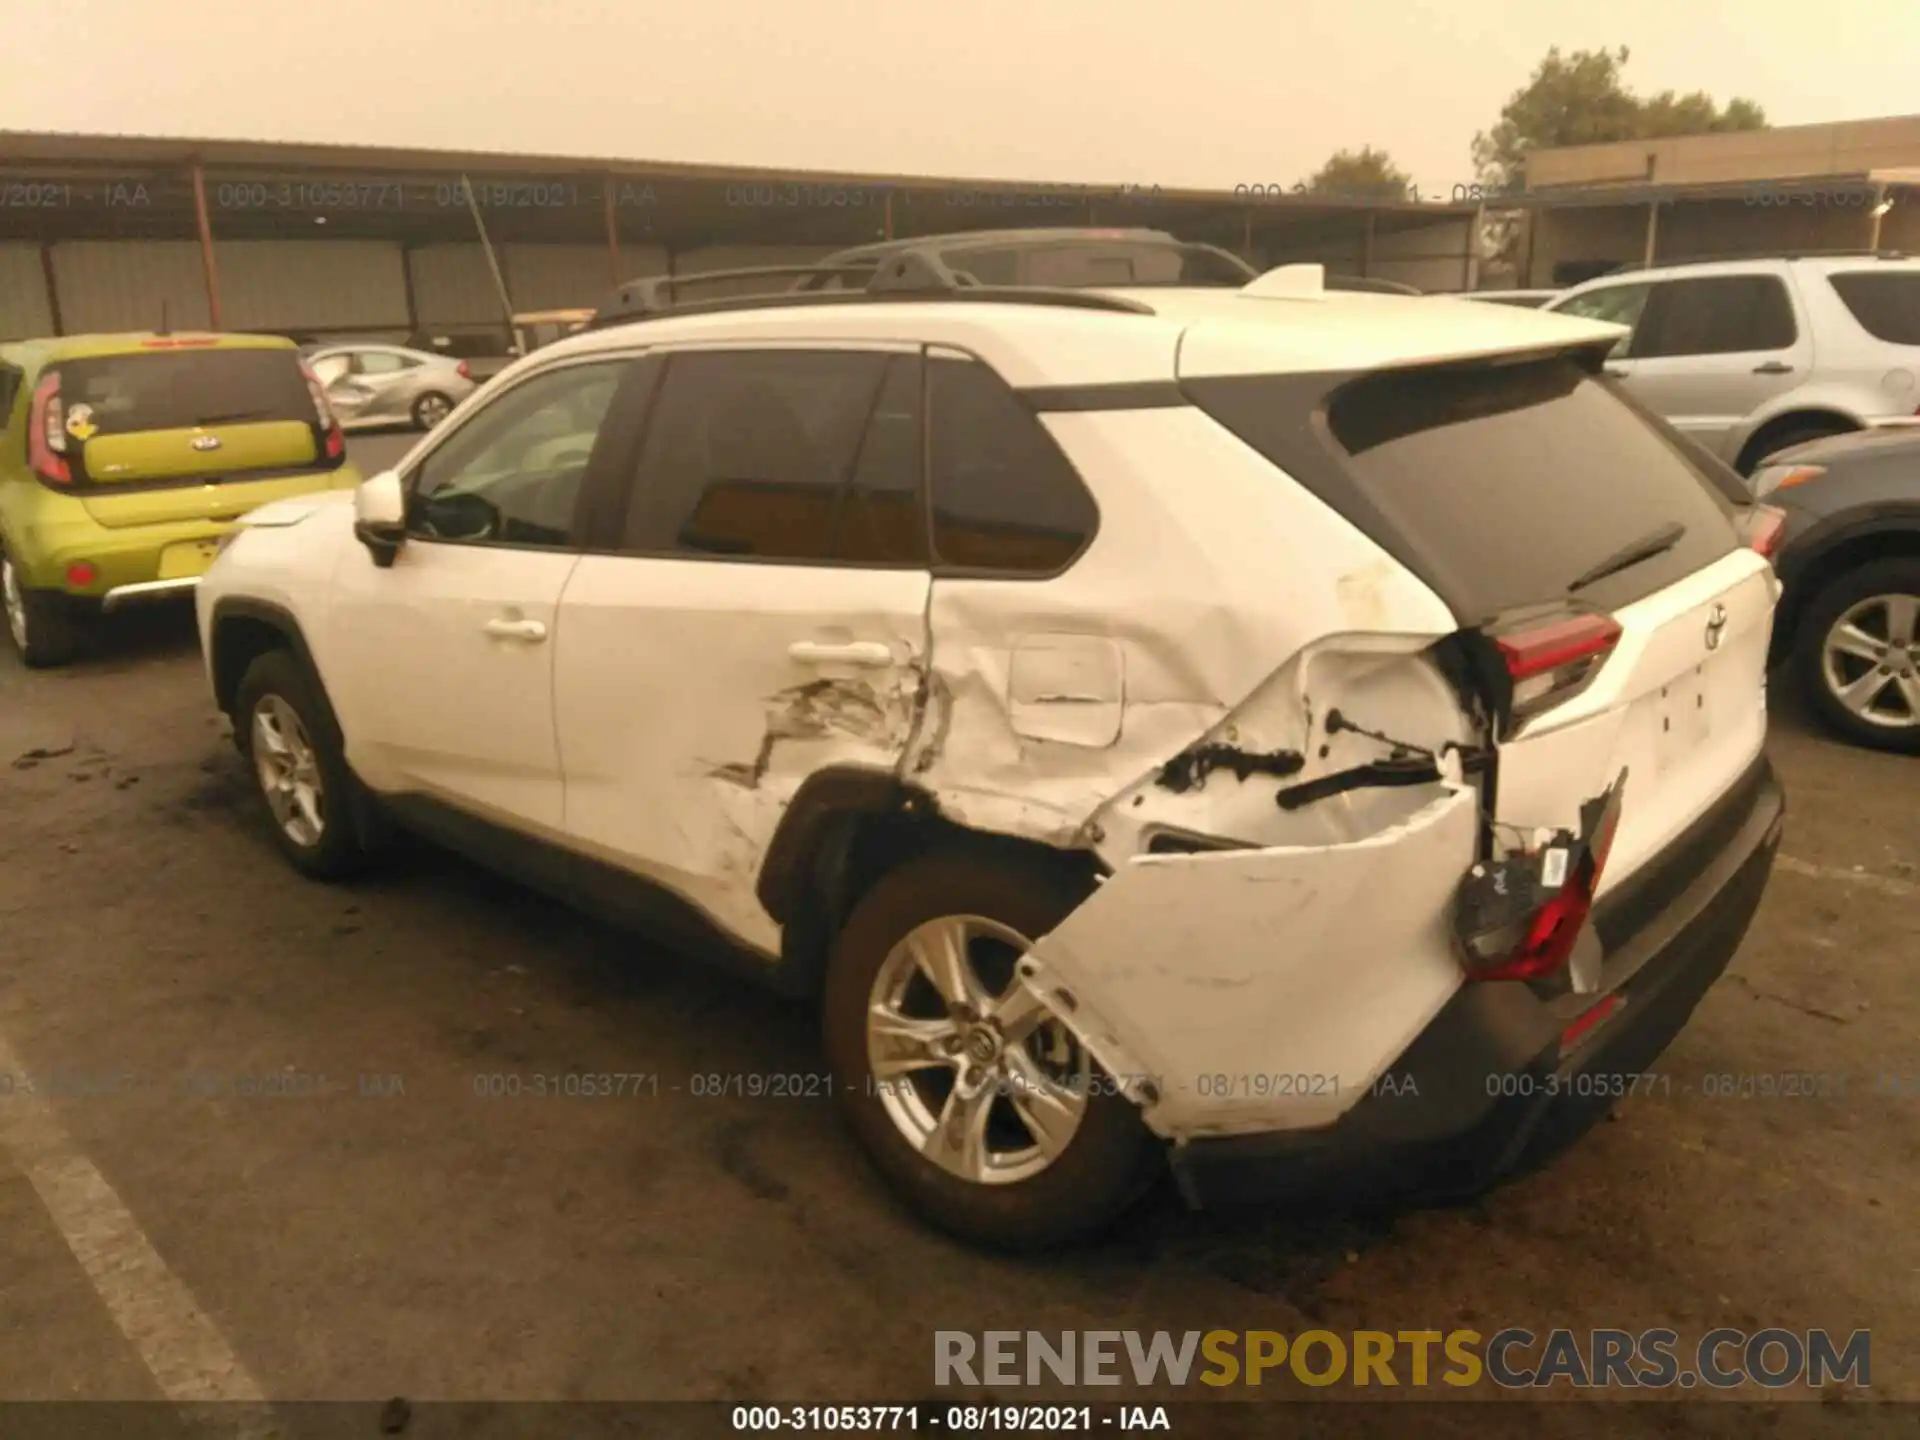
{"points": [[311, 285], [452, 286], [557, 277], [24, 311], [109, 285]]}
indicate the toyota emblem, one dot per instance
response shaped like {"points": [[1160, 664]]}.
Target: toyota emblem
{"points": [[206, 442], [1716, 626]]}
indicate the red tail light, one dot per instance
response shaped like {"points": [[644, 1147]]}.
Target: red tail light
{"points": [[1549, 662], [1553, 928], [1766, 527], [333, 441], [47, 433], [462, 370]]}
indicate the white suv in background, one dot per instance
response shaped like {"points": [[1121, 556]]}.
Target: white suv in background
{"points": [[1750, 357], [1314, 736]]}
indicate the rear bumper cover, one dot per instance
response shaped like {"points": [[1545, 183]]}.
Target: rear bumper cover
{"points": [[1485, 1091]]}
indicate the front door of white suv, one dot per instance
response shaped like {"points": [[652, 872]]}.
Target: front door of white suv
{"points": [[763, 616], [443, 662]]}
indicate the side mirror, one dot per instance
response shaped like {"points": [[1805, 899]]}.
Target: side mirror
{"points": [[380, 516]]}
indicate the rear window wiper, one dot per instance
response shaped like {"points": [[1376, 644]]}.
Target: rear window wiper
{"points": [[1646, 547]]}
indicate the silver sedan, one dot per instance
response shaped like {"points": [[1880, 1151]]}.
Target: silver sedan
{"points": [[372, 385]]}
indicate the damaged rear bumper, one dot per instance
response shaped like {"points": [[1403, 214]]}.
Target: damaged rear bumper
{"points": [[1486, 1091]]}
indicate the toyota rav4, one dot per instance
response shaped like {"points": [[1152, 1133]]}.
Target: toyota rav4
{"points": [[1316, 738]]}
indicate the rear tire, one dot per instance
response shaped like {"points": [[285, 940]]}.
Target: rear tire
{"points": [[312, 800], [1802, 433], [431, 410], [1028, 1193], [41, 623], [1862, 627]]}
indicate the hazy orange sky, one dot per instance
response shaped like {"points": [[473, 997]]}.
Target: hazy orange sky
{"points": [[1170, 92]]}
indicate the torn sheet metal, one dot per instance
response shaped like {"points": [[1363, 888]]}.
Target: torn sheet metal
{"points": [[842, 709], [1268, 989]]}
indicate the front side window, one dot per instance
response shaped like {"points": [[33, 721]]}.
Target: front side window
{"points": [[1005, 499], [382, 362], [1717, 315], [512, 474], [331, 369], [1613, 304], [796, 455]]}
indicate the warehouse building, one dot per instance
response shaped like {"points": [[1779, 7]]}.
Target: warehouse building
{"points": [[101, 233], [1847, 186]]}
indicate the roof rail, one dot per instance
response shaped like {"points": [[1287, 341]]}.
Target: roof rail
{"points": [[908, 275], [1633, 265]]}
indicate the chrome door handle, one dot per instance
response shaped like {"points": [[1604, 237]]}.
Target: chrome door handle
{"points": [[532, 630], [857, 652]]}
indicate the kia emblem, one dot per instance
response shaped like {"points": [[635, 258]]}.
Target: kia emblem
{"points": [[1716, 626], [206, 442]]}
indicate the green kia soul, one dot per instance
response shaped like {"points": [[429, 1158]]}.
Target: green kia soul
{"points": [[125, 458]]}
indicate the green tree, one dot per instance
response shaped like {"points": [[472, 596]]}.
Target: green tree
{"points": [[1582, 99], [1365, 174]]}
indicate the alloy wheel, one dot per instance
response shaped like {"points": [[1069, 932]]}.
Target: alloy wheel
{"points": [[975, 1071], [1870, 660], [432, 409], [289, 771]]}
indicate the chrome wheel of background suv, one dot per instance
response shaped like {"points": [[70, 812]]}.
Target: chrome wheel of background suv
{"points": [[972, 1068], [1871, 660]]}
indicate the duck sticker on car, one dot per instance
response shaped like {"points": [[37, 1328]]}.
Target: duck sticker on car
{"points": [[80, 423]]}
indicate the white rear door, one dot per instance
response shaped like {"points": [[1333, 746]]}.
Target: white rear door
{"points": [[764, 619]]}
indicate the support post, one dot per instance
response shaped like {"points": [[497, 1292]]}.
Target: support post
{"points": [[206, 246], [613, 231], [1653, 233], [1366, 244], [1470, 262], [53, 287], [1878, 213], [888, 234]]}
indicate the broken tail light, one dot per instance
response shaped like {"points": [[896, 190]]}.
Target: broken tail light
{"points": [[47, 433], [333, 441], [1551, 661], [1519, 918], [1765, 526]]}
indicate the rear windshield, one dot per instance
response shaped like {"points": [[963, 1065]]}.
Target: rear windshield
{"points": [[1885, 302], [178, 389], [1497, 485]]}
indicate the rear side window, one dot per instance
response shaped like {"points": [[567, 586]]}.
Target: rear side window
{"points": [[1885, 302], [178, 389], [797, 455], [1498, 486], [1721, 315], [1005, 499]]}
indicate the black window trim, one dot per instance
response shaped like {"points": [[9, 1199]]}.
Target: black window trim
{"points": [[583, 525]]}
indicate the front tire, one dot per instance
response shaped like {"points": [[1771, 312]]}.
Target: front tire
{"points": [[41, 623], [963, 1087], [299, 769], [1858, 655]]}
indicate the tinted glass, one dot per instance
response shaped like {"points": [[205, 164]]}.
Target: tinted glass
{"points": [[178, 389], [1721, 315], [512, 474], [1004, 497], [1885, 302], [760, 454], [382, 362], [1498, 486], [1614, 304]]}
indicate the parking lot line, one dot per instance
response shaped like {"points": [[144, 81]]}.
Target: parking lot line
{"points": [[181, 1347]]}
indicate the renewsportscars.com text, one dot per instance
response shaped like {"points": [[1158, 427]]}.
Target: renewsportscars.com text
{"points": [[1512, 1358]]}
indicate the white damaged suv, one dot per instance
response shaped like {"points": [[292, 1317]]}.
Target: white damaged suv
{"points": [[1314, 738]]}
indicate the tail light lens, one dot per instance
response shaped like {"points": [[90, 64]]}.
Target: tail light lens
{"points": [[462, 370], [1550, 661], [47, 433], [333, 442], [1765, 527], [1539, 942]]}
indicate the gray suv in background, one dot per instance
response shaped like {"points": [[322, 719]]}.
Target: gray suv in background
{"points": [[1750, 357]]}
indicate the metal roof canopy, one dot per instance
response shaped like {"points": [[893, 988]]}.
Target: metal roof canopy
{"points": [[1864, 183]]}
